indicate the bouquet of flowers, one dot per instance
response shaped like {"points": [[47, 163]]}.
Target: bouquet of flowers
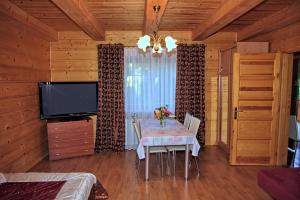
{"points": [[162, 113]]}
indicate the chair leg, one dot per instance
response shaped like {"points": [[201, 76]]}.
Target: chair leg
{"points": [[137, 165], [138, 168], [174, 162], [295, 153], [162, 164], [168, 163], [196, 162]]}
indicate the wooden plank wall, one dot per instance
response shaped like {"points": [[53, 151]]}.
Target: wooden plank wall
{"points": [[286, 39], [225, 105], [25, 60], [74, 58]]}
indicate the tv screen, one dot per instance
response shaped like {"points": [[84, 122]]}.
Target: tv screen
{"points": [[66, 99]]}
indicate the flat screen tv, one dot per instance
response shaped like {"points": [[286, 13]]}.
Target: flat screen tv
{"points": [[68, 99]]}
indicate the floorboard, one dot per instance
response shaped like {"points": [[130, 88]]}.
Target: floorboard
{"points": [[117, 173]]}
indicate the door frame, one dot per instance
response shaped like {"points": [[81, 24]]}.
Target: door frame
{"points": [[284, 108], [228, 72]]}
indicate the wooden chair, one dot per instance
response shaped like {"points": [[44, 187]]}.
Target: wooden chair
{"points": [[193, 128], [158, 150]]}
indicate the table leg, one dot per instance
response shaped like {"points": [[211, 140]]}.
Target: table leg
{"points": [[147, 164], [186, 170]]}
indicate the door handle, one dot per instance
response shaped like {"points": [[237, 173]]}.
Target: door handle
{"points": [[236, 110]]}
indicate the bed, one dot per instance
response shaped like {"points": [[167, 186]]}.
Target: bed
{"points": [[280, 183], [75, 186]]}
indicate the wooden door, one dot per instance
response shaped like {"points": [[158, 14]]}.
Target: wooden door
{"points": [[255, 109]]}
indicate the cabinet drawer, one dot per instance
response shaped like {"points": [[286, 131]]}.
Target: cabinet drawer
{"points": [[57, 156], [69, 125], [73, 149], [68, 129], [71, 129], [70, 135], [60, 143]]}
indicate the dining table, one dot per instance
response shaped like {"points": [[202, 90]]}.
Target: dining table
{"points": [[171, 133]]}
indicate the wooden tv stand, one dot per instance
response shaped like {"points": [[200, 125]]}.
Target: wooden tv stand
{"points": [[68, 139]]}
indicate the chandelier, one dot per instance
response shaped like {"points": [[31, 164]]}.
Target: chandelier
{"points": [[145, 41]]}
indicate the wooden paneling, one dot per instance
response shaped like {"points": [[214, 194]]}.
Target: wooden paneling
{"points": [[48, 13], [114, 15], [282, 40], [125, 15], [119, 15], [25, 60], [74, 58], [225, 107], [267, 8], [280, 19], [187, 15], [281, 24], [30, 23], [153, 16], [252, 47], [214, 43], [229, 11], [79, 12]]}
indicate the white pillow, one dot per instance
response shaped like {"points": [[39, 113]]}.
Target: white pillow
{"points": [[2, 178]]}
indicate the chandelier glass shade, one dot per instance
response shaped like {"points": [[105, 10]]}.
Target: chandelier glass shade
{"points": [[154, 40]]}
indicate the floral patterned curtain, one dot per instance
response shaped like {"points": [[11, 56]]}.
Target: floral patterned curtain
{"points": [[190, 80], [110, 135]]}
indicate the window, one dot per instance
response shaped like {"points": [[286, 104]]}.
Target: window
{"points": [[149, 82]]}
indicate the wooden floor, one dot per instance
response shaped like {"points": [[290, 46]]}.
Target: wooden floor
{"points": [[117, 173]]}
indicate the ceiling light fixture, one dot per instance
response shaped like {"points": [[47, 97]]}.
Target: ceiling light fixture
{"points": [[145, 41]]}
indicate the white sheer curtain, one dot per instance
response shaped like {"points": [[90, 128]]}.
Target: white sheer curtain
{"points": [[149, 82]]}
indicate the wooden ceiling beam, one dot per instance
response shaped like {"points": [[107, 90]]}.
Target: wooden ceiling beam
{"points": [[280, 19], [229, 11], [78, 11], [29, 22], [150, 23]]}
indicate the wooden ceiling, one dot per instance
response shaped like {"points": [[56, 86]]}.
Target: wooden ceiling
{"points": [[265, 9], [202, 17], [187, 15]]}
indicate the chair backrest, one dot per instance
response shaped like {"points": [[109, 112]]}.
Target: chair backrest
{"points": [[187, 120], [293, 128], [194, 126], [137, 129]]}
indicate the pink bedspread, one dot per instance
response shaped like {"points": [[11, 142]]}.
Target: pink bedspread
{"points": [[30, 190]]}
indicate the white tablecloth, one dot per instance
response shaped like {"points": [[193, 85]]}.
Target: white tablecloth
{"points": [[174, 133]]}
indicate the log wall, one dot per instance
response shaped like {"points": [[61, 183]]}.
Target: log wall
{"points": [[25, 60]]}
